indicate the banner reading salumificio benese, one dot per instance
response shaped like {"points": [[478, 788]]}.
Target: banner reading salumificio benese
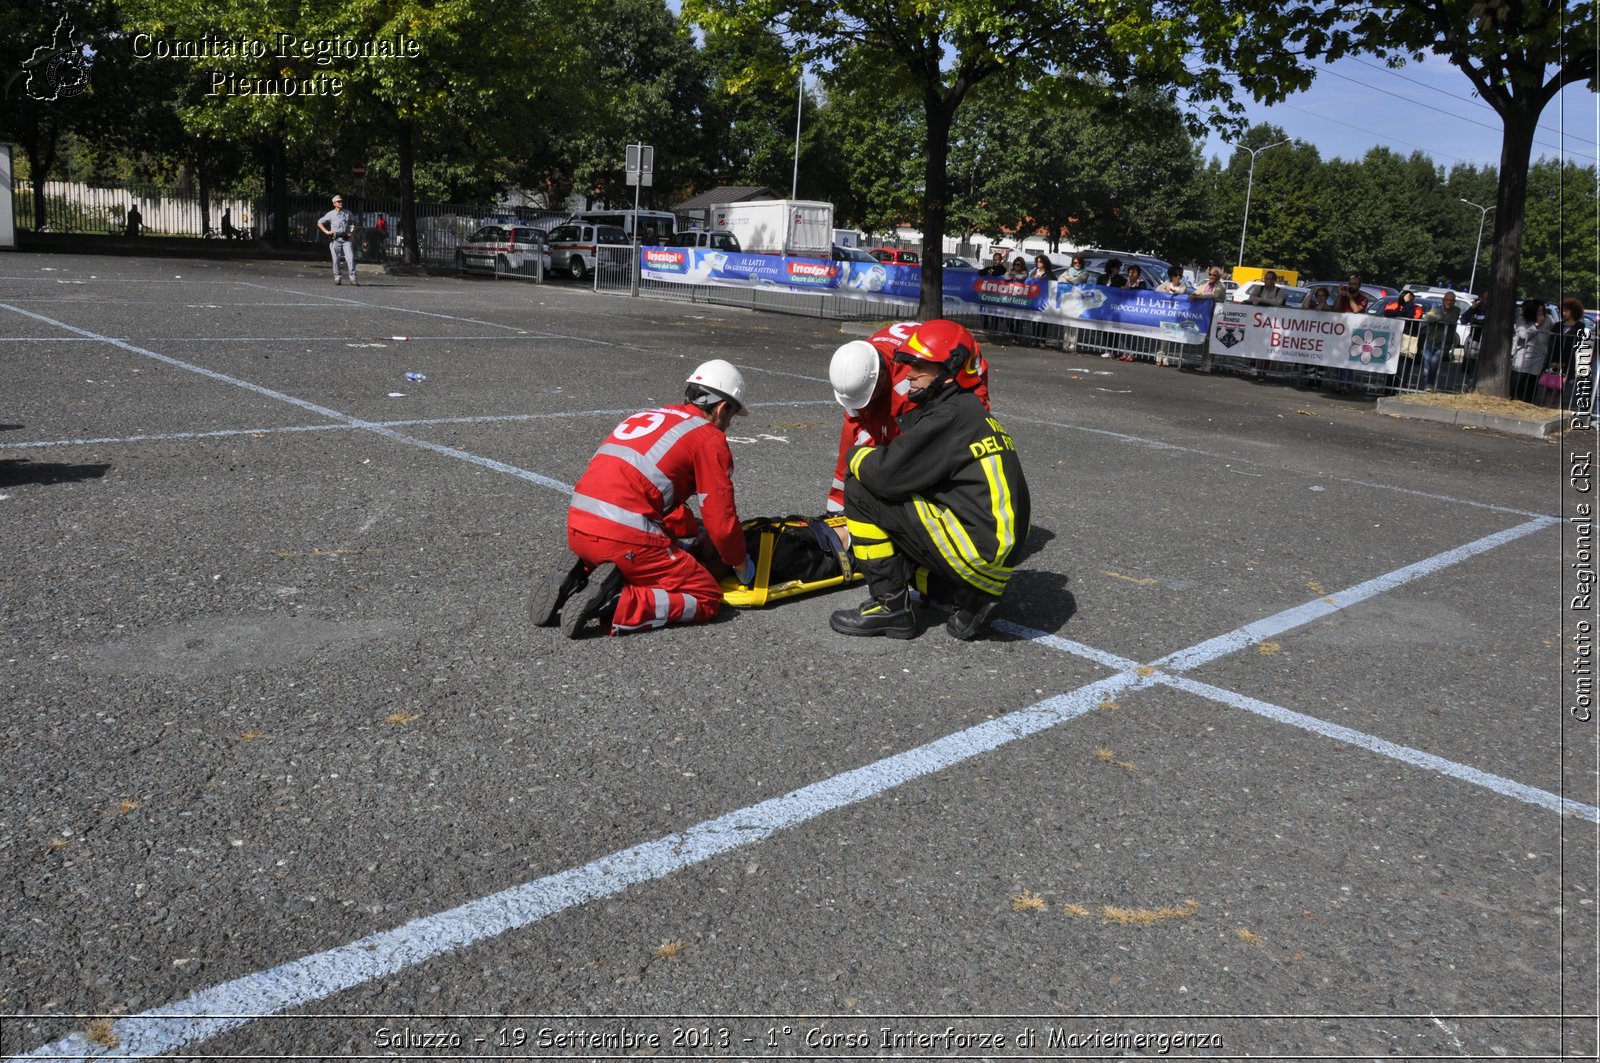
{"points": [[1280, 334]]}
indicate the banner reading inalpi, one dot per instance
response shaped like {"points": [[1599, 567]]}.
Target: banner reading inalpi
{"points": [[1174, 318]]}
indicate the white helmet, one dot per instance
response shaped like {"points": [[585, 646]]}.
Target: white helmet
{"points": [[722, 378], [854, 373]]}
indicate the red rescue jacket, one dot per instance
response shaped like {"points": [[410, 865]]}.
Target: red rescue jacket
{"points": [[636, 485]]}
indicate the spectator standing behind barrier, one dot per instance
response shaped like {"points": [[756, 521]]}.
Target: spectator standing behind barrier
{"points": [[1134, 279], [1173, 285], [1214, 289], [1320, 301], [1018, 270], [1113, 278], [1269, 294], [1475, 317], [1530, 349], [1405, 307], [1075, 273], [1438, 337], [1350, 300], [339, 225], [135, 221], [1576, 347], [996, 266], [1041, 269], [228, 231]]}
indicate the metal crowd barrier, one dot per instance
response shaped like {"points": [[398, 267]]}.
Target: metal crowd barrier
{"points": [[615, 274]]}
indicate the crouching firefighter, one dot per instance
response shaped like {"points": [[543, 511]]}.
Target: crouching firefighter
{"points": [[944, 504], [628, 524]]}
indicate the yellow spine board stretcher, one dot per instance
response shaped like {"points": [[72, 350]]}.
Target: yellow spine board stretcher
{"points": [[765, 590]]}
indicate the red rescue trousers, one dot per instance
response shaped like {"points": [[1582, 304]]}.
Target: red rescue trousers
{"points": [[661, 584]]}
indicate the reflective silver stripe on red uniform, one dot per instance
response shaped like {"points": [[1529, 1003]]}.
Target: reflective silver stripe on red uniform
{"points": [[618, 515], [648, 463]]}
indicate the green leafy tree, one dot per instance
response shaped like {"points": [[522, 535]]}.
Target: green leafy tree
{"points": [[943, 51], [43, 101], [1558, 257], [1517, 55]]}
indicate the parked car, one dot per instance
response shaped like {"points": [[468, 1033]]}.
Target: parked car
{"points": [[957, 262], [1293, 294], [850, 254], [574, 247], [504, 249], [1154, 269], [709, 239], [1375, 293], [894, 256]]}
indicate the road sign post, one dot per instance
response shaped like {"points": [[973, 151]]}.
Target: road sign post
{"points": [[639, 166]]}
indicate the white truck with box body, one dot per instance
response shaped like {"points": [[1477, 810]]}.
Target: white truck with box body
{"points": [[778, 226]]}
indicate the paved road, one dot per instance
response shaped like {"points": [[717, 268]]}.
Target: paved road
{"points": [[1266, 760]]}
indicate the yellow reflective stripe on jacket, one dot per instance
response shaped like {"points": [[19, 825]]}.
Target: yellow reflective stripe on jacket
{"points": [[939, 523], [1005, 515], [857, 458]]}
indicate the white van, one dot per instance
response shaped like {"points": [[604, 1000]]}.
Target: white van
{"points": [[653, 225]]}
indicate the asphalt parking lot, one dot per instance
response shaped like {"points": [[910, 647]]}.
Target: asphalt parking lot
{"points": [[1265, 759]]}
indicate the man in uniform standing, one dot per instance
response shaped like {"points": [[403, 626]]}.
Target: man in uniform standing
{"points": [[947, 494], [627, 520], [339, 225]]}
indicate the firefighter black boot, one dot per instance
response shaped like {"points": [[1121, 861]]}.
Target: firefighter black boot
{"points": [[889, 615]]}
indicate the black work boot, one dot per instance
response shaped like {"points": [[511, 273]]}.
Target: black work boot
{"points": [[971, 619], [889, 615], [596, 600], [553, 590]]}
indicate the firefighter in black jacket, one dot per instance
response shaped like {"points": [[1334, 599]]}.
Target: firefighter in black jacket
{"points": [[945, 502]]}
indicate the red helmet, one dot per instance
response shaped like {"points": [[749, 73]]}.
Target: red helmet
{"points": [[943, 343]]}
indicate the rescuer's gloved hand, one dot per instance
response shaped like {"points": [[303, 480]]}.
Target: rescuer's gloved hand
{"points": [[747, 572]]}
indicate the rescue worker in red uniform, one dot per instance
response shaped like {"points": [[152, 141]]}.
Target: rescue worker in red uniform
{"points": [[873, 390], [628, 515], [947, 494]]}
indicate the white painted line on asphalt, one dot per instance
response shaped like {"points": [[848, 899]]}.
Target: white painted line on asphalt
{"points": [[334, 300], [1300, 615], [489, 418], [232, 1004], [1260, 631], [335, 415], [1350, 736], [1156, 444]]}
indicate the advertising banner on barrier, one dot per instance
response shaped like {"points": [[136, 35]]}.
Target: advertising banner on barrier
{"points": [[1361, 342], [1175, 318]]}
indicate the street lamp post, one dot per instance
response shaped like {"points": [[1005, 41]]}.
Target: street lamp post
{"points": [[1483, 214], [799, 108], [1248, 183]]}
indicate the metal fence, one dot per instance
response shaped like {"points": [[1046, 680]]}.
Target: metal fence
{"points": [[79, 207]]}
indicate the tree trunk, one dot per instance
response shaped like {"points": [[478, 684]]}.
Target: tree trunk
{"points": [[1494, 343], [204, 185], [278, 192], [408, 197], [940, 110]]}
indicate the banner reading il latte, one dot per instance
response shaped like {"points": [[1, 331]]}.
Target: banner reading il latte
{"points": [[1340, 341], [1175, 318]]}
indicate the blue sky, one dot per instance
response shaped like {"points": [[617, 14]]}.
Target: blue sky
{"points": [[1357, 104]]}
